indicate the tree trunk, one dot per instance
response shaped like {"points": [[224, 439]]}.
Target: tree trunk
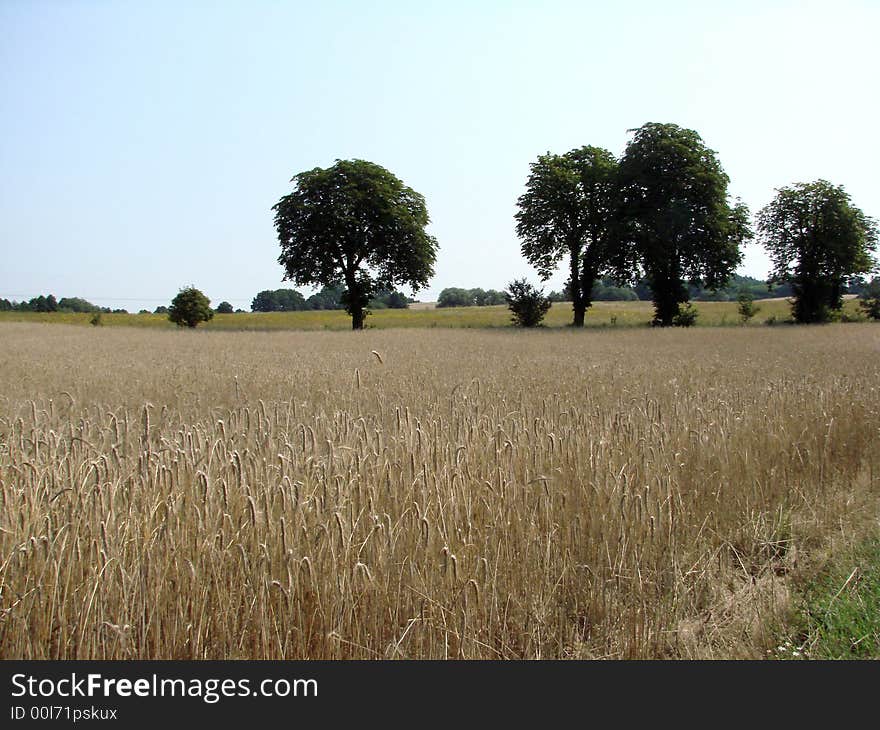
{"points": [[357, 318], [355, 300], [812, 298], [588, 278], [665, 310], [577, 292], [668, 293]]}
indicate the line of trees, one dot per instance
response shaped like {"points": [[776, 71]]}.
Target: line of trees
{"points": [[658, 221], [660, 214], [457, 297], [661, 218], [48, 303]]}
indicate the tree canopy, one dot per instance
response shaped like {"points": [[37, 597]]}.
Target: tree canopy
{"points": [[357, 224], [567, 210], [674, 221], [819, 241]]}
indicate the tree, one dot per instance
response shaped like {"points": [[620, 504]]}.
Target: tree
{"points": [[224, 308], [567, 210], [819, 241], [527, 304], [455, 297], [76, 304], [354, 223], [674, 221], [190, 307]]}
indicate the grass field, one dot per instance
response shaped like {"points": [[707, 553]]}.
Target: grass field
{"points": [[602, 314], [426, 493]]}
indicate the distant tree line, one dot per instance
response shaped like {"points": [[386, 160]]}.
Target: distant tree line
{"points": [[48, 303], [329, 297], [457, 297]]}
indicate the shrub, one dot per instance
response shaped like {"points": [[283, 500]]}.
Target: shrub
{"points": [[527, 304], [686, 317], [190, 307], [224, 308], [747, 308]]}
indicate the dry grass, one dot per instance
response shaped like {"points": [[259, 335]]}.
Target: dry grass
{"points": [[467, 494]]}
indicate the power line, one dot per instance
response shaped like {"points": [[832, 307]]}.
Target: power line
{"points": [[130, 299]]}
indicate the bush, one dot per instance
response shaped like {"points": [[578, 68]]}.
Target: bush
{"points": [[686, 317], [747, 308], [224, 308], [527, 304], [190, 307]]}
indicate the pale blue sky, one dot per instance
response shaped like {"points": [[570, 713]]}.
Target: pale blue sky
{"points": [[142, 145]]}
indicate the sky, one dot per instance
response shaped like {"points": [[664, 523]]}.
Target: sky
{"points": [[143, 145]]}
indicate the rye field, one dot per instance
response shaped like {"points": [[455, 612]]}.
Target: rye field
{"points": [[425, 493]]}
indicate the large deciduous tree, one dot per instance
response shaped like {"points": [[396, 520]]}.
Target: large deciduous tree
{"points": [[567, 211], [819, 242], [675, 221], [357, 224]]}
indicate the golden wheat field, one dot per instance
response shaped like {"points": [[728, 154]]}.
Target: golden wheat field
{"points": [[424, 493]]}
